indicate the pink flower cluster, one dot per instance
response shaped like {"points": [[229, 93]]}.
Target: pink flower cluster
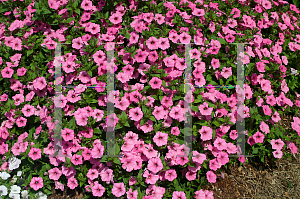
{"points": [[168, 110]]}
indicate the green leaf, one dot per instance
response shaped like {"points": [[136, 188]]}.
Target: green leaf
{"points": [[127, 35], [90, 73], [177, 97], [77, 11], [222, 41], [46, 11], [195, 108], [140, 194], [202, 123], [29, 52], [255, 150], [211, 105], [216, 123], [127, 124], [68, 160], [279, 132], [69, 20], [179, 141], [104, 159], [139, 176], [75, 4], [119, 126], [117, 161], [160, 98], [96, 131], [124, 116], [146, 88], [71, 124], [143, 121], [152, 118], [214, 134]]}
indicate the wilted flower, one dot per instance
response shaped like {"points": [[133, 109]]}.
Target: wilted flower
{"points": [[24, 194], [294, 72]]}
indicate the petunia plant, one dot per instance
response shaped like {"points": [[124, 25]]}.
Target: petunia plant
{"points": [[149, 41]]}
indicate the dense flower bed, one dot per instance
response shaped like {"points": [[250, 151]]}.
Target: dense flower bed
{"points": [[150, 99]]}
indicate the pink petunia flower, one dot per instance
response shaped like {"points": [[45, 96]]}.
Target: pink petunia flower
{"points": [[204, 109], [92, 174], [77, 159], [7, 72], [293, 147], [87, 4], [67, 134], [16, 44], [266, 4], [106, 174], [140, 56], [155, 165], [277, 154], [258, 137], [171, 174], [177, 113], [98, 190], [264, 127], [277, 144], [226, 72], [152, 43], [132, 194], [116, 18], [175, 131], [178, 195], [296, 125], [150, 177], [206, 133], [159, 18], [72, 183], [164, 43], [174, 37], [40, 83], [220, 144], [211, 177], [36, 183], [55, 173], [28, 110], [147, 127], [77, 43], [21, 71], [185, 38], [158, 112], [276, 117], [136, 114], [198, 157], [265, 85], [118, 189], [21, 121], [215, 63], [155, 83], [267, 110], [35, 153], [148, 17], [198, 12], [190, 175]]}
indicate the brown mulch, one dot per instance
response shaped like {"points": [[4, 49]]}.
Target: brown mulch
{"points": [[66, 194]]}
